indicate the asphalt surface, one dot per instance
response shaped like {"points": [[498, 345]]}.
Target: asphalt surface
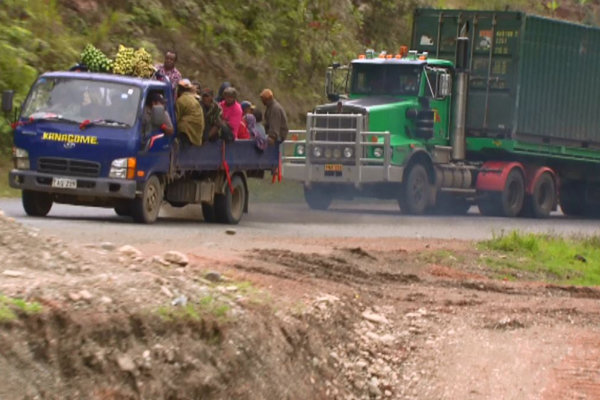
{"points": [[345, 219]]}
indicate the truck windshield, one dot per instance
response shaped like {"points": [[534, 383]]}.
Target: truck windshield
{"points": [[77, 100], [385, 79]]}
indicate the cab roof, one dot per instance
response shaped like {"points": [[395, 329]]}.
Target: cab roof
{"points": [[403, 61], [105, 77]]}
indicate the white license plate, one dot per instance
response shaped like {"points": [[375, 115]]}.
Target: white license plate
{"points": [[65, 183]]}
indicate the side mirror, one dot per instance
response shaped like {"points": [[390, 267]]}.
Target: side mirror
{"points": [[157, 117], [329, 85], [7, 101], [445, 85]]}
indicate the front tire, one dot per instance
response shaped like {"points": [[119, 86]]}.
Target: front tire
{"points": [[229, 207], [145, 208], [317, 198], [414, 197], [36, 204]]}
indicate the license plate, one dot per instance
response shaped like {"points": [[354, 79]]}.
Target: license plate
{"points": [[64, 183], [333, 167]]}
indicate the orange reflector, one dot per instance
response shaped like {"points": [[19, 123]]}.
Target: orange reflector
{"points": [[374, 139], [412, 145], [131, 162], [382, 56], [294, 137], [141, 174], [403, 51], [361, 57], [388, 56], [398, 56]]}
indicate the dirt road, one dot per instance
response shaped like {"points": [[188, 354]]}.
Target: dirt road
{"points": [[355, 315]]}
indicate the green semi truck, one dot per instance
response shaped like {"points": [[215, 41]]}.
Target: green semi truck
{"points": [[498, 109]]}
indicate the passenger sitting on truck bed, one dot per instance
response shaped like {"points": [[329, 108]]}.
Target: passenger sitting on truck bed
{"points": [[212, 115], [155, 100], [232, 110], [190, 118]]}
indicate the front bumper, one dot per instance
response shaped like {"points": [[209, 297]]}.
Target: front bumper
{"points": [[86, 187], [350, 174]]}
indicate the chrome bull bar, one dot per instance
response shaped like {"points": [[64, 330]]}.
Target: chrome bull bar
{"points": [[358, 169]]}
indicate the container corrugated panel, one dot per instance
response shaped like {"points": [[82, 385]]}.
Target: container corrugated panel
{"points": [[560, 88], [532, 78]]}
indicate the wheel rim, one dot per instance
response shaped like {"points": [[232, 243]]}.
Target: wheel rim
{"points": [[151, 199], [418, 190], [237, 203]]}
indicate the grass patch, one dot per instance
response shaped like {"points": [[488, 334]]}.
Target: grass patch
{"points": [[444, 257], [573, 261], [11, 307], [194, 311]]}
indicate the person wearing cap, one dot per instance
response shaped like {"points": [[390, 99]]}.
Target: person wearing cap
{"points": [[168, 68], [275, 118], [244, 132], [213, 115], [232, 110], [190, 118]]}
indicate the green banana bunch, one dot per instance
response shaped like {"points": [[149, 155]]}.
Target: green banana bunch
{"points": [[96, 60]]}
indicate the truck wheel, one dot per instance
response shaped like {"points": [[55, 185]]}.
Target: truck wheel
{"points": [[145, 208], [123, 210], [317, 198], [571, 197], [229, 207], [542, 200], [208, 212], [36, 204], [511, 198], [414, 197]]}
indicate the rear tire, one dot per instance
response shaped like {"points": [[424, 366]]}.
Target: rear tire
{"points": [[317, 198], [208, 212], [543, 199], [145, 209], [229, 207], [572, 199], [511, 198], [414, 197], [36, 204]]}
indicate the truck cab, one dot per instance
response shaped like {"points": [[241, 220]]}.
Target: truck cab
{"points": [[397, 111]]}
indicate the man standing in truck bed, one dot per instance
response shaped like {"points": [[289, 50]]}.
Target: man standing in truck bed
{"points": [[275, 118]]}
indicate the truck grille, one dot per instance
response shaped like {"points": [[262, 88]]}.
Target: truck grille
{"points": [[335, 128], [66, 166]]}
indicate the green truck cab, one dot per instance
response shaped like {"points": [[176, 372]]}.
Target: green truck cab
{"points": [[496, 109]]}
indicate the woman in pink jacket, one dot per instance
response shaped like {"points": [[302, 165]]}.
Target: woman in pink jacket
{"points": [[232, 110]]}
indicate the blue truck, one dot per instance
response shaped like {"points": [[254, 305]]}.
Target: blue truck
{"points": [[82, 138]]}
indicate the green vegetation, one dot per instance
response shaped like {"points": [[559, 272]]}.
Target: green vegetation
{"points": [[194, 311], [573, 261], [11, 307]]}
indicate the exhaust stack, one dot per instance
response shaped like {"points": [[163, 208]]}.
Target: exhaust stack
{"points": [[459, 144]]}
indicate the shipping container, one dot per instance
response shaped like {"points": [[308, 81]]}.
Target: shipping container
{"points": [[532, 79]]}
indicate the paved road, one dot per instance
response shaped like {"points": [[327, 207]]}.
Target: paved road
{"points": [[345, 219]]}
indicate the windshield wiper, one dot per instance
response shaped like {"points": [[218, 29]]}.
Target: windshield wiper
{"points": [[108, 122], [52, 117]]}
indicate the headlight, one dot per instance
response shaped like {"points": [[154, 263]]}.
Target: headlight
{"points": [[300, 149], [328, 153], [123, 168], [378, 152], [337, 153], [348, 152], [20, 158], [317, 152]]}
